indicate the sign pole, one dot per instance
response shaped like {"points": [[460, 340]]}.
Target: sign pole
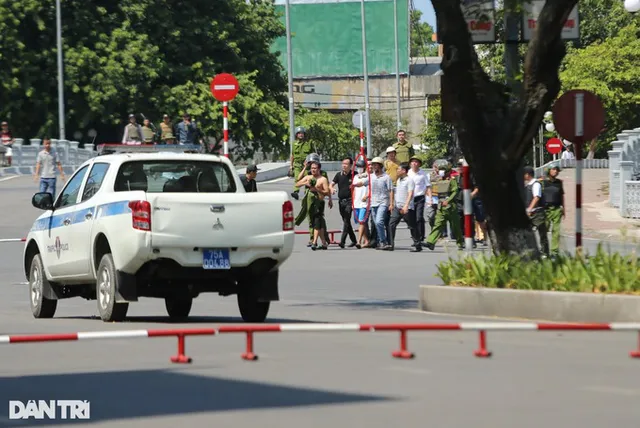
{"points": [[225, 126], [468, 211], [579, 120], [365, 69], [362, 134], [61, 114]]}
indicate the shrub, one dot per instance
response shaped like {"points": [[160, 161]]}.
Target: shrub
{"points": [[599, 273]]}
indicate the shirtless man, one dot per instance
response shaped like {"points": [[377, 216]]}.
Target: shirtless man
{"points": [[319, 187]]}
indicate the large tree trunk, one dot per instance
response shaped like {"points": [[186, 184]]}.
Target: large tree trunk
{"points": [[494, 132]]}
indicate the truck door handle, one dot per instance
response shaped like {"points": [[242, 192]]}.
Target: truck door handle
{"points": [[67, 222], [88, 216]]}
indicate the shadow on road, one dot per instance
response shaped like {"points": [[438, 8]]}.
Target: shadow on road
{"points": [[366, 304], [190, 320], [151, 393]]}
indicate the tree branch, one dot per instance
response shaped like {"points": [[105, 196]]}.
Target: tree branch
{"points": [[541, 81]]}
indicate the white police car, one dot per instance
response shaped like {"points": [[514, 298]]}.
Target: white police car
{"points": [[164, 224]]}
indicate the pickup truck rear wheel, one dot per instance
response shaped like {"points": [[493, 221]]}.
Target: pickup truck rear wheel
{"points": [[41, 307], [106, 292], [251, 309], [178, 307]]}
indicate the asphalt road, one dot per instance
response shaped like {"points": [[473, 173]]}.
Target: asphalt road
{"points": [[340, 379]]}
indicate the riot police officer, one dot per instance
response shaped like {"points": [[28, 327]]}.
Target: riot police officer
{"points": [[302, 148]]}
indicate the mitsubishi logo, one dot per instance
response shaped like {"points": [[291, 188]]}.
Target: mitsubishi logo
{"points": [[218, 225]]}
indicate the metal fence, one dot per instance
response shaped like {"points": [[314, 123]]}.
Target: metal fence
{"points": [[24, 155], [624, 173]]}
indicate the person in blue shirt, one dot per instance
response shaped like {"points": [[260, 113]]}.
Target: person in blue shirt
{"points": [[187, 130]]}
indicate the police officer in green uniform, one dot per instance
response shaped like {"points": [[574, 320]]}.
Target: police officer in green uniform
{"points": [[148, 132], [553, 195], [447, 190], [301, 149], [308, 198]]}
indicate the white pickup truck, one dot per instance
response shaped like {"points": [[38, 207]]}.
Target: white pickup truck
{"points": [[167, 225]]}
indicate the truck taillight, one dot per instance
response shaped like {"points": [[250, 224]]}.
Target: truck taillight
{"points": [[140, 215], [287, 216]]}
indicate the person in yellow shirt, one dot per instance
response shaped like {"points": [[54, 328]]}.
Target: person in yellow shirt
{"points": [[404, 149], [391, 165]]}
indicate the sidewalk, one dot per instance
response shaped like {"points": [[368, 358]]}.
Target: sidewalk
{"points": [[599, 220]]}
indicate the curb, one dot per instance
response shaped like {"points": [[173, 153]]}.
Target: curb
{"points": [[533, 305]]}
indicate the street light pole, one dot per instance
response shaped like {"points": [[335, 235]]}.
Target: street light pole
{"points": [[367, 106], [60, 71], [292, 123], [395, 35]]}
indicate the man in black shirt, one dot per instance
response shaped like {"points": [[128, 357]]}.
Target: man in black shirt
{"points": [[343, 180], [249, 179]]}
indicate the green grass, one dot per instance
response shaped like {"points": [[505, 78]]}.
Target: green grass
{"points": [[599, 273]]}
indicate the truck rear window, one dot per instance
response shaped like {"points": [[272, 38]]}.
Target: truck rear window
{"points": [[174, 176]]}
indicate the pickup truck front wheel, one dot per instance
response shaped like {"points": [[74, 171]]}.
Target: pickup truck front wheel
{"points": [[106, 292], [41, 307], [251, 309]]}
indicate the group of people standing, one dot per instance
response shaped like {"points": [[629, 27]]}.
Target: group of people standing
{"points": [[185, 132], [378, 196]]}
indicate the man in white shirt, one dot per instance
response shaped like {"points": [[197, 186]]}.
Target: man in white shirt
{"points": [[360, 188], [403, 208], [535, 207], [421, 194], [381, 201]]}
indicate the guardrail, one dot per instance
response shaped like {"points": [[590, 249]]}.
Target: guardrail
{"points": [[624, 170], [24, 155], [571, 163], [250, 330]]}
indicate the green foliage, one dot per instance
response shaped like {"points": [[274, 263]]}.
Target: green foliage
{"points": [[437, 136], [602, 19], [384, 129], [601, 273], [610, 70], [150, 56], [421, 44], [333, 135]]}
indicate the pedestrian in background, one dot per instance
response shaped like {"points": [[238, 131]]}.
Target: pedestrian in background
{"points": [[360, 189], [7, 142], [302, 148], [404, 149], [343, 180], [132, 132], [381, 201], [421, 194], [535, 207], [553, 195], [249, 179], [391, 165], [403, 209], [187, 130], [46, 164]]}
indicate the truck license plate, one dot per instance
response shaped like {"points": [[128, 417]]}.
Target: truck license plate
{"points": [[216, 259]]}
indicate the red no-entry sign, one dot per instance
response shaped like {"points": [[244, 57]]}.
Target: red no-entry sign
{"points": [[554, 146], [224, 87], [565, 116]]}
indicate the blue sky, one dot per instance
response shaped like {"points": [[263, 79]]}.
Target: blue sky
{"points": [[428, 15]]}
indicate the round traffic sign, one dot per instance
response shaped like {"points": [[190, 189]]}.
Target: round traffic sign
{"points": [[554, 146], [564, 115], [357, 116], [224, 87]]}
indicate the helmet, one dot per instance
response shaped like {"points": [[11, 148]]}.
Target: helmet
{"points": [[313, 158], [556, 167], [361, 163], [444, 167], [300, 129]]}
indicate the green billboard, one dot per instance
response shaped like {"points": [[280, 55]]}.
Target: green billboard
{"points": [[326, 37]]}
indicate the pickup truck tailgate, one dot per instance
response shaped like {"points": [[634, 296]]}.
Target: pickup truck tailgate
{"points": [[188, 220]]}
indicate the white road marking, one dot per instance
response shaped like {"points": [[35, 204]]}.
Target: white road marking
{"points": [[613, 390], [9, 178]]}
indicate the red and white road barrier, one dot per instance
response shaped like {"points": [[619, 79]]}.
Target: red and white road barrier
{"points": [[468, 210], [225, 127], [13, 240], [249, 330]]}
